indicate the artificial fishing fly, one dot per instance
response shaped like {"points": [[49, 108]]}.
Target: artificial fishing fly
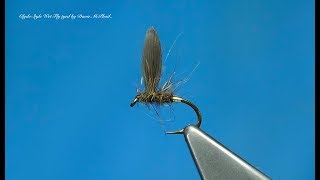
{"points": [[151, 75]]}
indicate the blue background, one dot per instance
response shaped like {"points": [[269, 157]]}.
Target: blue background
{"points": [[69, 84]]}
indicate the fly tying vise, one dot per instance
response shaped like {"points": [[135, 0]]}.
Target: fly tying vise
{"points": [[151, 74]]}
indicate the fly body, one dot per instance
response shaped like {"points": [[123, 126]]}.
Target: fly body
{"points": [[151, 75], [151, 72]]}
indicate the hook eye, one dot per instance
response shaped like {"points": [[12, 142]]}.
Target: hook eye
{"points": [[134, 101]]}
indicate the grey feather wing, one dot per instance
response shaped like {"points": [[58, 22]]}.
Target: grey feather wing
{"points": [[151, 60]]}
